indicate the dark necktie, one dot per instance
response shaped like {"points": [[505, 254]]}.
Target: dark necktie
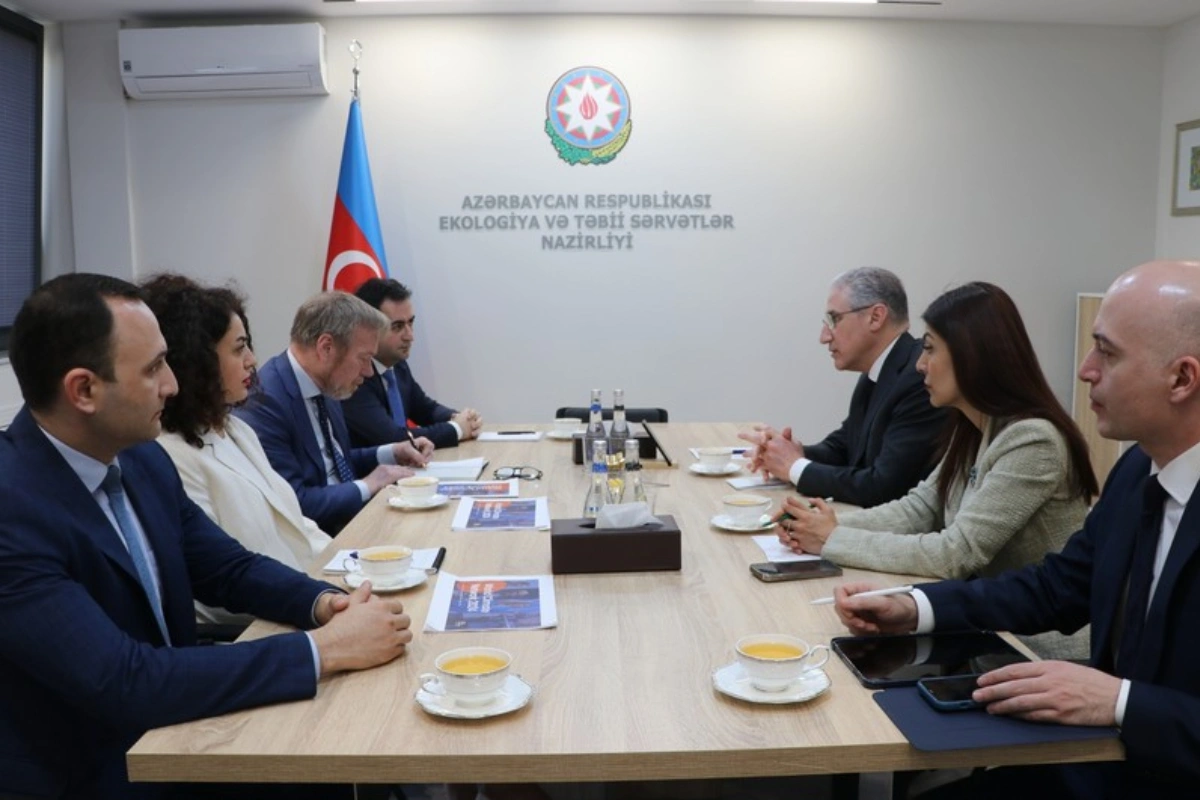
{"points": [[1141, 576], [115, 490], [868, 390], [344, 473], [395, 404]]}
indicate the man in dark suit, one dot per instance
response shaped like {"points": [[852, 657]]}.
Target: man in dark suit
{"points": [[300, 424], [102, 554], [379, 411], [1132, 572], [887, 442]]}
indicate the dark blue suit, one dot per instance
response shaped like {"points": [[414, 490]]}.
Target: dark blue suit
{"points": [[1086, 583], [279, 415], [369, 415], [886, 444], [83, 668]]}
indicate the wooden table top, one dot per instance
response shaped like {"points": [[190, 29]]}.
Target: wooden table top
{"points": [[623, 684]]}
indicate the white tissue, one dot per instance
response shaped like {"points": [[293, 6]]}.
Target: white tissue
{"points": [[625, 515]]}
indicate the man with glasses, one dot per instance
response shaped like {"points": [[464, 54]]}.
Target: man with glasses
{"points": [[299, 421], [886, 444]]}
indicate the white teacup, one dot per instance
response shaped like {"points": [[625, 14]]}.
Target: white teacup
{"points": [[745, 509], [470, 676], [384, 564], [418, 487], [774, 661], [565, 425], [714, 457]]}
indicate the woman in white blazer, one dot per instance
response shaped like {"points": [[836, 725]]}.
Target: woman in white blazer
{"points": [[219, 457]]}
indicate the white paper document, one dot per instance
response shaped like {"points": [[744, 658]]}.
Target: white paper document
{"points": [[467, 469], [493, 602], [341, 561], [779, 554], [514, 436], [501, 514], [757, 482]]}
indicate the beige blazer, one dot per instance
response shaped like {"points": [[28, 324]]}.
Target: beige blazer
{"points": [[257, 507], [1016, 508]]}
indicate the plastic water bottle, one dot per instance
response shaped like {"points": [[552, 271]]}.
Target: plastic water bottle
{"points": [[597, 496], [595, 429]]}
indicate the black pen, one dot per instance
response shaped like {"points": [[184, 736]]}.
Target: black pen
{"points": [[437, 560], [514, 433]]}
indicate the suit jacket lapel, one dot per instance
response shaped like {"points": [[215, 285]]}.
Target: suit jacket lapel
{"points": [[892, 366], [174, 583], [258, 476], [1112, 572], [1183, 550], [299, 411], [73, 497]]}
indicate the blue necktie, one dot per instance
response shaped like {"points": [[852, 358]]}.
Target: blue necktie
{"points": [[344, 473], [395, 404], [1141, 576], [137, 549]]}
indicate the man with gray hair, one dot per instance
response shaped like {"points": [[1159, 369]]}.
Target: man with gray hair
{"points": [[334, 336], [886, 444]]}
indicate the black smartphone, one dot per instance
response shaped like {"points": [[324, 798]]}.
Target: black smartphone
{"points": [[794, 570], [949, 694]]}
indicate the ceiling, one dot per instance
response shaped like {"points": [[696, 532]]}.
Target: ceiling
{"points": [[1153, 13]]}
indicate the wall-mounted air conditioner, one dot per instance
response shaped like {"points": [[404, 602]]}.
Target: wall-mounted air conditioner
{"points": [[227, 61]]}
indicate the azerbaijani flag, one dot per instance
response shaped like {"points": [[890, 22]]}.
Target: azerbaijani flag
{"points": [[355, 241]]}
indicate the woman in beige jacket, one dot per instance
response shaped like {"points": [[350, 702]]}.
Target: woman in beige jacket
{"points": [[1014, 481], [219, 458]]}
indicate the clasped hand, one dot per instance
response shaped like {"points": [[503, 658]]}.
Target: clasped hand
{"points": [[774, 451], [359, 630], [810, 527]]}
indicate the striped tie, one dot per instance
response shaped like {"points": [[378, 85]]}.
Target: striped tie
{"points": [[344, 473]]}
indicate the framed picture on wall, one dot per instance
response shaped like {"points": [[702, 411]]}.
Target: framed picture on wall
{"points": [[1186, 199]]}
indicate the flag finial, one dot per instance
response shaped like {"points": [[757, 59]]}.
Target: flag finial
{"points": [[356, 50]]}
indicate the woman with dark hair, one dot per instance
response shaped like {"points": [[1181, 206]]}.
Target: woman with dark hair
{"points": [[1014, 479], [219, 457]]}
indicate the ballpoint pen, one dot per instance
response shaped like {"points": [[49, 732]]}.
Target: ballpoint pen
{"points": [[827, 601]]}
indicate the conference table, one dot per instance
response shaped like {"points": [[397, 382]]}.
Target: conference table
{"points": [[623, 684]]}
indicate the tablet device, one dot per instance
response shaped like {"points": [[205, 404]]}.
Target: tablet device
{"points": [[882, 661]]}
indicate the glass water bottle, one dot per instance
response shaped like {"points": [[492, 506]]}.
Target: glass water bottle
{"points": [[595, 429], [620, 428], [597, 496], [634, 492]]}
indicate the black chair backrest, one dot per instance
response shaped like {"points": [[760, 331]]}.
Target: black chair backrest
{"points": [[632, 414]]}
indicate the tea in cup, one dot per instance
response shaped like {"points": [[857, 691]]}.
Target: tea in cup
{"points": [[745, 509], [418, 487], [774, 661], [566, 425], [714, 457], [385, 564], [471, 676]]}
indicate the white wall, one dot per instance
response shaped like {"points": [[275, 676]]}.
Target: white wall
{"points": [[1025, 155], [1178, 237]]}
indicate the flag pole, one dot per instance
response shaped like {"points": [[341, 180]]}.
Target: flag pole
{"points": [[356, 50]]}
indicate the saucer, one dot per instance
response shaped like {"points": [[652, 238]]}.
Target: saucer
{"points": [[514, 694], [562, 436], [728, 469], [409, 504], [732, 680], [414, 577], [726, 523]]}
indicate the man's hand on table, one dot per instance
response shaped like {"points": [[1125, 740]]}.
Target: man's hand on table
{"points": [[383, 475], [469, 421], [896, 613], [360, 630], [1051, 691]]}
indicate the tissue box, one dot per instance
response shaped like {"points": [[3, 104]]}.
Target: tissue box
{"points": [[577, 547]]}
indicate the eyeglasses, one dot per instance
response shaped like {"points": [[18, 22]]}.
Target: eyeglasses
{"points": [[524, 473], [831, 318]]}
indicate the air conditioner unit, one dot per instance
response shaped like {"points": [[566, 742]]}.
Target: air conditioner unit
{"points": [[227, 61]]}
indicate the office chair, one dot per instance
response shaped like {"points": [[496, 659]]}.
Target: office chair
{"points": [[581, 413]]}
